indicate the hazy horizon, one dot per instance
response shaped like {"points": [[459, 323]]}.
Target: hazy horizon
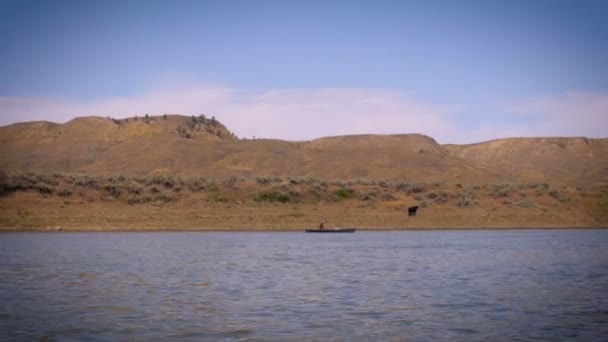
{"points": [[460, 72]]}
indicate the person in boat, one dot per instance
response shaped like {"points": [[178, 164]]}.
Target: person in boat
{"points": [[322, 225]]}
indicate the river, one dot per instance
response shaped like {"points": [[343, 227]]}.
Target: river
{"points": [[499, 285]]}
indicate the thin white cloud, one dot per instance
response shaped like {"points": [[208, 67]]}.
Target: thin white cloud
{"points": [[567, 114], [303, 114], [282, 114]]}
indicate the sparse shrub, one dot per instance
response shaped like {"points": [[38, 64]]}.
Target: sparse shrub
{"points": [[524, 202], [343, 193], [65, 192], [134, 199], [466, 202], [316, 184], [231, 182], [44, 189], [263, 180], [155, 190], [134, 189], [410, 188], [213, 186], [113, 190], [296, 181], [471, 192], [338, 182], [87, 182], [140, 180], [45, 179], [383, 184], [388, 197], [164, 198], [541, 189], [558, 195], [155, 180], [196, 184], [438, 196], [272, 196], [168, 183], [369, 196], [502, 190], [216, 197], [11, 184]]}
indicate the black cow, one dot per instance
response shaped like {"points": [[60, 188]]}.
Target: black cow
{"points": [[411, 211]]}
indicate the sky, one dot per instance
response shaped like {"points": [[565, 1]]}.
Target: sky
{"points": [[459, 71]]}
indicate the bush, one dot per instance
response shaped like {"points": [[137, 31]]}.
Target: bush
{"points": [[196, 184], [438, 196], [541, 189], [86, 182], [263, 180], [369, 196], [113, 190], [6, 185], [272, 196], [297, 181], [503, 190], [20, 183], [168, 182], [164, 198], [526, 203], [48, 180], [65, 192], [558, 195], [134, 189], [410, 188], [138, 199], [215, 197], [44, 189], [388, 197], [231, 182], [466, 202], [344, 193]]}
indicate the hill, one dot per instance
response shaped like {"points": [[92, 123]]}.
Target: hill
{"points": [[182, 145], [191, 172]]}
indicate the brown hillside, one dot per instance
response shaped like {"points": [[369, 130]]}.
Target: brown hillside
{"points": [[568, 160], [177, 172], [195, 146]]}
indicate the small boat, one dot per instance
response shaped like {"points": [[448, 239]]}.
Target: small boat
{"points": [[331, 230]]}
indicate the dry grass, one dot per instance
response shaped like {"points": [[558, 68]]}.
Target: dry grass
{"points": [[179, 172], [76, 202]]}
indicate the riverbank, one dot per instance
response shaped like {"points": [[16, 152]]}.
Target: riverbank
{"points": [[28, 211]]}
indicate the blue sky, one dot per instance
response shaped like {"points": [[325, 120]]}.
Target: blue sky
{"points": [[460, 71]]}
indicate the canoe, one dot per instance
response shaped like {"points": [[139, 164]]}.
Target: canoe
{"points": [[331, 230]]}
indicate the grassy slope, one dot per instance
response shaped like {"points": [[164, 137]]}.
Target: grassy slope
{"points": [[486, 184]]}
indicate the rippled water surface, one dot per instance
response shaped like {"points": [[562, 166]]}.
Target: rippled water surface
{"points": [[380, 286]]}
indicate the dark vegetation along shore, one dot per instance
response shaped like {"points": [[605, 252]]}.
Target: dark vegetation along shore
{"points": [[174, 172], [79, 202]]}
